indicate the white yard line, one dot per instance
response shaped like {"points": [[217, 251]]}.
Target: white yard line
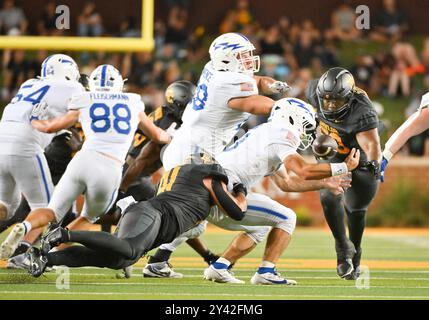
{"points": [[294, 296], [208, 284]]}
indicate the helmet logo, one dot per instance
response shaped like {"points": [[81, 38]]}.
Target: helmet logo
{"points": [[169, 96], [226, 45]]}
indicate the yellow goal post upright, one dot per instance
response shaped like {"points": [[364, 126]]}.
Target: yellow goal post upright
{"points": [[145, 43]]}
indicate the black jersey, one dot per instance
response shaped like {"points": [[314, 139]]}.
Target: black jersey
{"points": [[59, 153], [183, 199], [361, 117], [163, 117]]}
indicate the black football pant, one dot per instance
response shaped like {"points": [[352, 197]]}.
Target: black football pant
{"points": [[354, 203], [136, 234]]}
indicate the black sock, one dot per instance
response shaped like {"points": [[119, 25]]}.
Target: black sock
{"points": [[209, 257], [161, 255]]}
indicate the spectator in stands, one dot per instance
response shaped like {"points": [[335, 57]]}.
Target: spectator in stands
{"points": [[406, 66], [243, 14], [364, 72], [176, 33], [129, 28], [271, 43], [343, 24], [46, 26], [391, 23], [16, 72], [12, 19], [90, 21], [305, 50]]}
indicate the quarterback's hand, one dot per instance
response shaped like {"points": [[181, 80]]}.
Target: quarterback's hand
{"points": [[383, 167], [279, 87], [352, 161], [39, 111]]}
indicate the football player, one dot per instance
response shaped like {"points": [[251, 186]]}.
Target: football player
{"points": [[23, 166], [346, 114], [415, 125], [185, 196], [109, 119], [58, 155], [260, 152], [227, 93]]}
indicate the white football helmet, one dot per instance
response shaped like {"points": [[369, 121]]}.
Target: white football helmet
{"points": [[60, 66], [106, 78], [234, 52], [299, 116]]}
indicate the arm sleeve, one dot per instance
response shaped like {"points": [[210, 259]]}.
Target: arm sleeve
{"points": [[78, 101], [238, 87], [225, 201], [284, 144], [425, 101]]}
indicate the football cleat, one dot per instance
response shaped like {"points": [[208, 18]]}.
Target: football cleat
{"points": [[20, 261], [37, 262], [221, 276], [12, 241], [160, 270], [356, 265], [271, 278], [54, 237], [345, 253]]}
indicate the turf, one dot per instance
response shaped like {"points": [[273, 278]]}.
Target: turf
{"points": [[398, 264]]}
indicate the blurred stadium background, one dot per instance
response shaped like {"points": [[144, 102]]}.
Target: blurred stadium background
{"points": [[296, 41]]}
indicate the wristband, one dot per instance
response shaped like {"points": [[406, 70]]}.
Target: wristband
{"points": [[387, 154], [338, 169]]}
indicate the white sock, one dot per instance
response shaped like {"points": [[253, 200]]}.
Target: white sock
{"points": [[27, 226], [223, 261], [267, 264]]}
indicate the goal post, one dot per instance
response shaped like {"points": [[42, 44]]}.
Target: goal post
{"points": [[145, 43]]}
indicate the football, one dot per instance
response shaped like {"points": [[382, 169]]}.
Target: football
{"points": [[324, 147]]}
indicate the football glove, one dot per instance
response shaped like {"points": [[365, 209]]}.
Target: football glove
{"points": [[39, 111], [383, 167], [373, 167], [279, 87]]}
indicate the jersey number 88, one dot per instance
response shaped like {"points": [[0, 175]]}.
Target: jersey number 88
{"points": [[100, 116]]}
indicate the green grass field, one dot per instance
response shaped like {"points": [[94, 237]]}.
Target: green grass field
{"points": [[398, 264]]}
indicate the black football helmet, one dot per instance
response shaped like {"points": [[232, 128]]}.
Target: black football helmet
{"points": [[334, 91], [178, 95], [84, 81]]}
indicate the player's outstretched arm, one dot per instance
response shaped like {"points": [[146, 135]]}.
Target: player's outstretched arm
{"points": [[57, 124], [415, 125], [268, 85], [147, 157], [235, 206], [311, 171], [292, 183], [154, 133], [256, 104]]}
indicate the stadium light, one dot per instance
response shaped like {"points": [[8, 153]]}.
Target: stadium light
{"points": [[145, 43]]}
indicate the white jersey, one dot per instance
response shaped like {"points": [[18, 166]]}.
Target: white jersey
{"points": [[17, 136], [109, 121], [259, 153], [208, 122]]}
